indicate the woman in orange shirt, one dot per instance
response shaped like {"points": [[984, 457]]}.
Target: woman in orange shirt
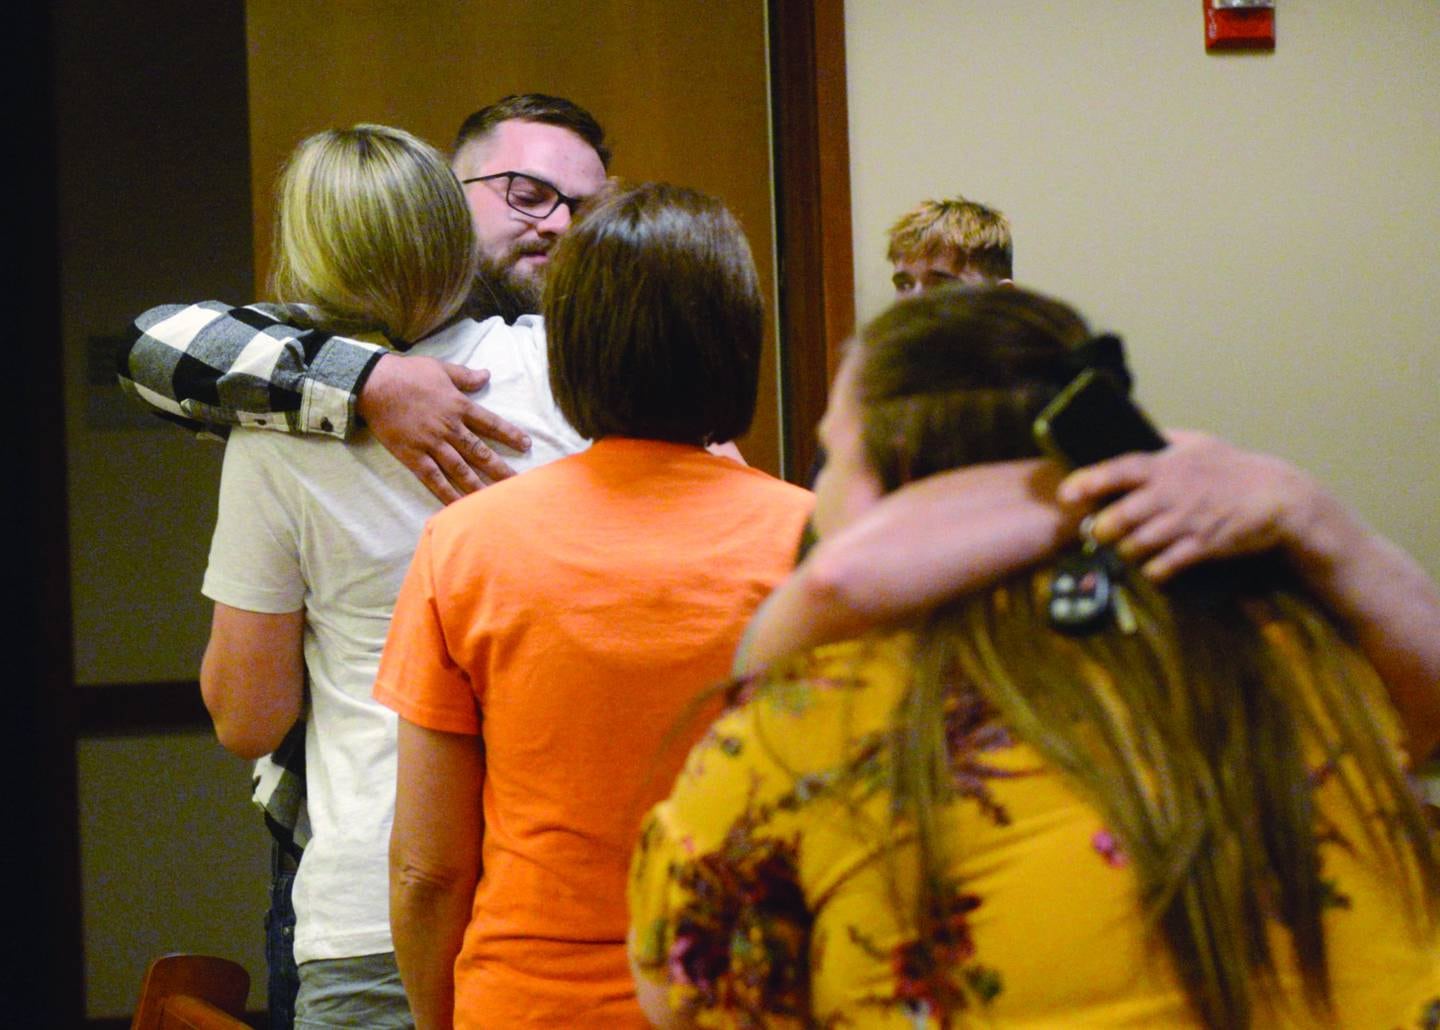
{"points": [[554, 627]]}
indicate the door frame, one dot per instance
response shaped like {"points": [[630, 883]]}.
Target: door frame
{"points": [[813, 229]]}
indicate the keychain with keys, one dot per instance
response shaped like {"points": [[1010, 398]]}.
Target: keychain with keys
{"points": [[1087, 590]]}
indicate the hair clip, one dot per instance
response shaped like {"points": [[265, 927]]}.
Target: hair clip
{"points": [[1104, 353]]}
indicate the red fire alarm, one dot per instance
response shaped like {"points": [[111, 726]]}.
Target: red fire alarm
{"points": [[1239, 24]]}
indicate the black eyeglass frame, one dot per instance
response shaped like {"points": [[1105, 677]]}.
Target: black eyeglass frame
{"points": [[560, 198]]}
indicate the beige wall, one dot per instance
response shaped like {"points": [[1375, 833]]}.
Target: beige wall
{"points": [[1263, 229]]}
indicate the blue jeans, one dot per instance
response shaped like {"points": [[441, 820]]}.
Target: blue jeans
{"points": [[284, 978]]}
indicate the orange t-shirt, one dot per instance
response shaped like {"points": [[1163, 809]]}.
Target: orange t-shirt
{"points": [[571, 615]]}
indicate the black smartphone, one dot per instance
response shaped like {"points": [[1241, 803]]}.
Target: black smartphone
{"points": [[1092, 419]]}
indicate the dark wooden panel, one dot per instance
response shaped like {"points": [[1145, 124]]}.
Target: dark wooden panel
{"points": [[812, 197], [46, 950], [134, 709]]}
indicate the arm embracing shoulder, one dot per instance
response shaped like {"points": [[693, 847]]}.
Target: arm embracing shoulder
{"points": [[1202, 499], [252, 677], [923, 544], [1384, 598], [213, 365]]}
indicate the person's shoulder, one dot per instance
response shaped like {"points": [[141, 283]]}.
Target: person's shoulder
{"points": [[480, 344], [774, 507], [875, 663], [492, 529], [261, 464], [307, 463], [253, 444], [461, 333], [508, 499], [763, 483], [527, 330], [525, 340]]}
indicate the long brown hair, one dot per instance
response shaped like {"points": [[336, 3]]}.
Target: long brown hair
{"points": [[1192, 735]]}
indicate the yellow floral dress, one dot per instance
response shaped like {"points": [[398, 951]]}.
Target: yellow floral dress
{"points": [[765, 892]]}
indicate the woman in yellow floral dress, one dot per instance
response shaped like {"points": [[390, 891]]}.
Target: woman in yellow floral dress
{"points": [[1195, 815]]}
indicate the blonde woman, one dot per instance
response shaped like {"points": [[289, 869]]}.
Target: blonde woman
{"points": [[312, 540], [1194, 816]]}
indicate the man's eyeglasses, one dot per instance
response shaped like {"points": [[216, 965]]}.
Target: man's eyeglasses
{"points": [[532, 197]]}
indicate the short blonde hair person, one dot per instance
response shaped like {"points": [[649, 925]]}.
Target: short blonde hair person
{"points": [[975, 236], [372, 230]]}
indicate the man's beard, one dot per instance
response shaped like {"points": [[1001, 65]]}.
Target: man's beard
{"points": [[500, 288]]}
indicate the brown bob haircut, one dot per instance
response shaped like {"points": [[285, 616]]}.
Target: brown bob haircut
{"points": [[535, 107], [654, 317]]}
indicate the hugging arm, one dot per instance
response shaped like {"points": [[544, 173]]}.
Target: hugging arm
{"points": [[212, 366], [1201, 499], [928, 541], [253, 677]]}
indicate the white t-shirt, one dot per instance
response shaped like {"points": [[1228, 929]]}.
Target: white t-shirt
{"points": [[305, 522]]}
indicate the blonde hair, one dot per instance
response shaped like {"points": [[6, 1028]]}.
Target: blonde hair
{"points": [[372, 229], [974, 235]]}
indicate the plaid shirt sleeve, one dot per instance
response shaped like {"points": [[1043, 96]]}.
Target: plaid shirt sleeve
{"points": [[279, 784], [209, 366]]}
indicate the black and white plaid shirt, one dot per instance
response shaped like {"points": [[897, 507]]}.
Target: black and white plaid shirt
{"points": [[209, 366]]}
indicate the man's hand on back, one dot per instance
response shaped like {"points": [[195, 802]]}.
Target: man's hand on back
{"points": [[418, 409]]}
